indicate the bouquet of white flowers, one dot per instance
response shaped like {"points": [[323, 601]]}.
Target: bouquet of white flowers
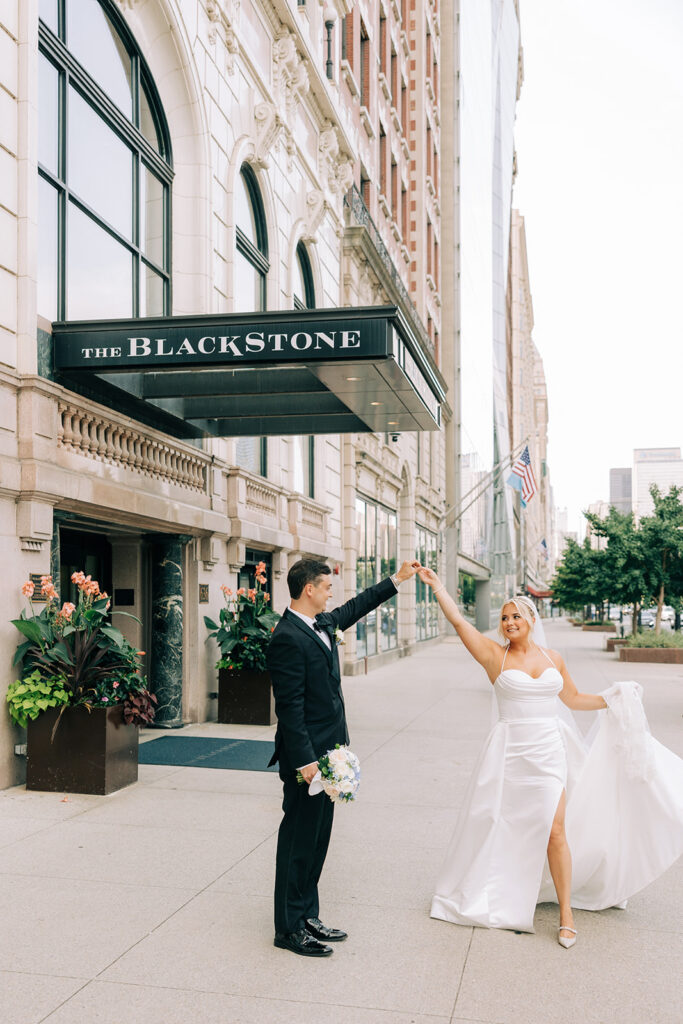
{"points": [[338, 775]]}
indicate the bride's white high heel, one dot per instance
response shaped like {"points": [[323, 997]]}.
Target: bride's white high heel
{"points": [[567, 943]]}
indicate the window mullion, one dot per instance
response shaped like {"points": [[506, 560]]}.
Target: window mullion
{"points": [[136, 265]]}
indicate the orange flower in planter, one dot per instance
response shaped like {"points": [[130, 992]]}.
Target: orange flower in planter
{"points": [[244, 628]]}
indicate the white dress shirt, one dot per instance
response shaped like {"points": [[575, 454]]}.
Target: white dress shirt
{"points": [[322, 633]]}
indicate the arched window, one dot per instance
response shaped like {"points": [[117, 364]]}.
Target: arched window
{"points": [[104, 164], [251, 245], [251, 270], [303, 446], [302, 280]]}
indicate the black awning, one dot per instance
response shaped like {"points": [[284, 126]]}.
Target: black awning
{"points": [[322, 371]]}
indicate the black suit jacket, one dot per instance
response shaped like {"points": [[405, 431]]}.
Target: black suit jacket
{"points": [[307, 681]]}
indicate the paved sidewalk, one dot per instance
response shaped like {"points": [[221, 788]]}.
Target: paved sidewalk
{"points": [[153, 905]]}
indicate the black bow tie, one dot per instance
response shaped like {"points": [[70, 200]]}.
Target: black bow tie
{"points": [[318, 628]]}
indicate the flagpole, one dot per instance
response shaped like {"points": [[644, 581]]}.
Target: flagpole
{"points": [[483, 484]]}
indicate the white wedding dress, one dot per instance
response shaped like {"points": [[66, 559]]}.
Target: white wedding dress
{"points": [[624, 817]]}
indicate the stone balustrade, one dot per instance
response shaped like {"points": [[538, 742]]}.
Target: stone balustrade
{"points": [[89, 433]]}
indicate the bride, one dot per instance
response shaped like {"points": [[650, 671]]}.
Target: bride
{"points": [[539, 795]]}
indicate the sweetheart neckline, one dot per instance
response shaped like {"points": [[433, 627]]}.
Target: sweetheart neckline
{"points": [[550, 668]]}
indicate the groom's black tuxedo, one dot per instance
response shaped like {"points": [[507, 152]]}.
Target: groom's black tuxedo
{"points": [[309, 705]]}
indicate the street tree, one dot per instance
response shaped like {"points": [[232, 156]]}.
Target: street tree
{"points": [[662, 534], [625, 563], [578, 579]]}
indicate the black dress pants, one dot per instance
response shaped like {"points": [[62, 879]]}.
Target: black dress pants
{"points": [[302, 843]]}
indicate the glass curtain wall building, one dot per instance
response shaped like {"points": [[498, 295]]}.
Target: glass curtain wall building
{"points": [[488, 55]]}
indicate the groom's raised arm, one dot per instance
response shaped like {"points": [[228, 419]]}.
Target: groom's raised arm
{"points": [[351, 611]]}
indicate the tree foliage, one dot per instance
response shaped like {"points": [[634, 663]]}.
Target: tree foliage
{"points": [[642, 563]]}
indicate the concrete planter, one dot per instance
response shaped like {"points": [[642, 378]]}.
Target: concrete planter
{"points": [[245, 698], [614, 642], [589, 628], [660, 655], [92, 752]]}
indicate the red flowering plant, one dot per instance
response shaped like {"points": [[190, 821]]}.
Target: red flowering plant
{"points": [[245, 626], [73, 655]]}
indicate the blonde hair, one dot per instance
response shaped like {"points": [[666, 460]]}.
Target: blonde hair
{"points": [[526, 608]]}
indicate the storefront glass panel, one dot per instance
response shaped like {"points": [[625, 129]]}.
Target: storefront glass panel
{"points": [[426, 604], [376, 540]]}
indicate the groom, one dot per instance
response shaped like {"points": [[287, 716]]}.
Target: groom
{"points": [[304, 669]]}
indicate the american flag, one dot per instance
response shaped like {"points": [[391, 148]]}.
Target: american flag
{"points": [[522, 476]]}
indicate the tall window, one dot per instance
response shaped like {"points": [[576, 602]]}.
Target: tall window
{"points": [[302, 280], [364, 69], [377, 546], [303, 445], [249, 292], [104, 165], [427, 606], [251, 245]]}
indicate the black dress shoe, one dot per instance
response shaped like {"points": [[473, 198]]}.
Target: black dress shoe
{"points": [[317, 929], [303, 943]]}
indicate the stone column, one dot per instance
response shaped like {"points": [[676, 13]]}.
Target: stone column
{"points": [[166, 648]]}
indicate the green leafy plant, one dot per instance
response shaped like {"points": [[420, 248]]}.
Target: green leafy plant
{"points": [[665, 640], [245, 626], [30, 696], [77, 645]]}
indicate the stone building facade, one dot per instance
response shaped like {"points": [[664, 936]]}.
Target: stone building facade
{"points": [[176, 157]]}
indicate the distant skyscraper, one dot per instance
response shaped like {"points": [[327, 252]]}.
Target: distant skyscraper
{"points": [[660, 466], [620, 489]]}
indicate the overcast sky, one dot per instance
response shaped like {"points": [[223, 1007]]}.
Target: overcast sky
{"points": [[599, 141]]}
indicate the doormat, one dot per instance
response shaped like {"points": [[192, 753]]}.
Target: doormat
{"points": [[205, 752]]}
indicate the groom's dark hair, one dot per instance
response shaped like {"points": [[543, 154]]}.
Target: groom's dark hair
{"points": [[306, 570]]}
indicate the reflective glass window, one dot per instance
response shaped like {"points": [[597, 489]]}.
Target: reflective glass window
{"points": [[98, 269], [245, 218], [48, 115], [152, 290], [148, 125], [49, 13], [302, 464], [114, 189], [99, 165], [377, 548], [426, 604], [152, 216], [249, 284], [97, 45]]}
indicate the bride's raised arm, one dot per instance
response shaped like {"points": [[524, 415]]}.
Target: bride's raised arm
{"points": [[570, 696], [484, 650]]}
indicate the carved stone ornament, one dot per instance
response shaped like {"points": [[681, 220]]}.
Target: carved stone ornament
{"points": [[269, 124], [336, 170], [315, 211], [223, 14], [341, 179], [290, 77]]}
